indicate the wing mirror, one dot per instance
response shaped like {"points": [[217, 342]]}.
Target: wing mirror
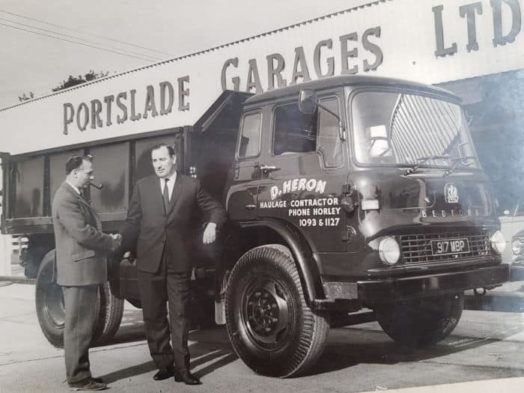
{"points": [[307, 102]]}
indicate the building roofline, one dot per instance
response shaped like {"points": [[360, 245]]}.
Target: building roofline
{"points": [[198, 53]]}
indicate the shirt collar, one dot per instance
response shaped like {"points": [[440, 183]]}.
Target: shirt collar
{"points": [[74, 188], [170, 179]]}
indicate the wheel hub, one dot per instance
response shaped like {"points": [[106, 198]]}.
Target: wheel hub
{"points": [[262, 312], [266, 313]]}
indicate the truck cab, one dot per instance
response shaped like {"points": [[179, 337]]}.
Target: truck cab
{"points": [[372, 188]]}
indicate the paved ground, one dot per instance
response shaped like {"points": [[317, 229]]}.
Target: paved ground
{"points": [[485, 346]]}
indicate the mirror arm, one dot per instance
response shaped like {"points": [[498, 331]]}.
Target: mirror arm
{"points": [[342, 130]]}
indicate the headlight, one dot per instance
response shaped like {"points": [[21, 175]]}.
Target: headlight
{"points": [[498, 243], [389, 250], [516, 246]]}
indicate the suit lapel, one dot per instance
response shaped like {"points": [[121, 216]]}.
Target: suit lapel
{"points": [[75, 194], [155, 184], [177, 190], [84, 203]]}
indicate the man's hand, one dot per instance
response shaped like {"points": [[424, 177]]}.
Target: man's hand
{"points": [[117, 241], [210, 233]]}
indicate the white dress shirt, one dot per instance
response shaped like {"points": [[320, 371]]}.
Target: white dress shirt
{"points": [[170, 184]]}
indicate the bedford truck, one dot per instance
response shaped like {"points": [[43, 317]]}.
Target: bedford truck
{"points": [[344, 194]]}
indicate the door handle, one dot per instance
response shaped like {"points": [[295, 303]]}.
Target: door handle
{"points": [[268, 169], [250, 207]]}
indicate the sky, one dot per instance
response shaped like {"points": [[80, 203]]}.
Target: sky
{"points": [[43, 42]]}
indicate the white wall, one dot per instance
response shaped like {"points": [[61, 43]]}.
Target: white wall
{"points": [[5, 255]]}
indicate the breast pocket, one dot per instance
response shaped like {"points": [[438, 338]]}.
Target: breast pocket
{"points": [[83, 255]]}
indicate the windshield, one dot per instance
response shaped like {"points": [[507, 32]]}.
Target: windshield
{"points": [[393, 128]]}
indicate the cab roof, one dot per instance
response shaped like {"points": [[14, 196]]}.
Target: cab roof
{"points": [[347, 80]]}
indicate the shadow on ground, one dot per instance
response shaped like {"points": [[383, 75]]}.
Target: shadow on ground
{"points": [[346, 347], [349, 347]]}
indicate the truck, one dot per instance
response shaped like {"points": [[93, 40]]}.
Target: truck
{"points": [[349, 198]]}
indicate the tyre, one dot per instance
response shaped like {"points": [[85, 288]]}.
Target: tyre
{"points": [[421, 322], [50, 302], [50, 309], [110, 311], [268, 321]]}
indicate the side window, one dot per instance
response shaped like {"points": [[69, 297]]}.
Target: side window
{"points": [[249, 145], [295, 132], [329, 143]]}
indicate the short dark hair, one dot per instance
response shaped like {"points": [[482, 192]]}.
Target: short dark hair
{"points": [[75, 162], [170, 148]]}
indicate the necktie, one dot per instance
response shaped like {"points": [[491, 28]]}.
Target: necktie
{"points": [[165, 196]]}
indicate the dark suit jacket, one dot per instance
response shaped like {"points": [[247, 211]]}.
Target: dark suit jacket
{"points": [[151, 229], [81, 247]]}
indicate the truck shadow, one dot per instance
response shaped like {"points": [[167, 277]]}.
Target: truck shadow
{"points": [[348, 347]]}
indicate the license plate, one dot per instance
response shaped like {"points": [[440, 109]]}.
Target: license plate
{"points": [[450, 246]]}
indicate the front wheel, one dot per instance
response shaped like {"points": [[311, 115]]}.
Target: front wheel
{"points": [[268, 321], [421, 322], [50, 309]]}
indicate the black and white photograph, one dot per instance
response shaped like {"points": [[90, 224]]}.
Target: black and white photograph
{"points": [[262, 196]]}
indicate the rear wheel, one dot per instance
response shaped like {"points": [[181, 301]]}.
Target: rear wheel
{"points": [[50, 302], [268, 321], [110, 312], [51, 312], [421, 322]]}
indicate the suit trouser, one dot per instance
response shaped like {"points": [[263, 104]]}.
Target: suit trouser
{"points": [[155, 290], [80, 316]]}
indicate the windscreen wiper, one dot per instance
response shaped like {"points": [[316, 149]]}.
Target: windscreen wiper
{"points": [[456, 162], [422, 160]]}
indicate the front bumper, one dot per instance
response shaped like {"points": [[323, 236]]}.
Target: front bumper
{"points": [[386, 290], [517, 271]]}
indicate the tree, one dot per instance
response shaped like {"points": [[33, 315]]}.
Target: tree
{"points": [[25, 97], [73, 81]]}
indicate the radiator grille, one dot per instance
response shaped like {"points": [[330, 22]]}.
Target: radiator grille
{"points": [[416, 248]]}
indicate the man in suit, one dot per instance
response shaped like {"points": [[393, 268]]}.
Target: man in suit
{"points": [[81, 250], [158, 219]]}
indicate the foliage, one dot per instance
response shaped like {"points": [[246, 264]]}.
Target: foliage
{"points": [[73, 81], [25, 97]]}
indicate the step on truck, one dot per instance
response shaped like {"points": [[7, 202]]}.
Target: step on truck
{"points": [[344, 194]]}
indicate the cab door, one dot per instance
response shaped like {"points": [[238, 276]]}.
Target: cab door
{"points": [[242, 197], [302, 172]]}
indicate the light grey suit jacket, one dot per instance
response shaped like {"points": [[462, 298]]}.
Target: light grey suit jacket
{"points": [[81, 246]]}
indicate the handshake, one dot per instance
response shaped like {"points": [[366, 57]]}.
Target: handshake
{"points": [[116, 248], [117, 241]]}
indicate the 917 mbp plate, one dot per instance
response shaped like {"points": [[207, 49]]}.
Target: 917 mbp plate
{"points": [[450, 246]]}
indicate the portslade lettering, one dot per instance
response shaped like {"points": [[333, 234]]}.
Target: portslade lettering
{"points": [[156, 101], [300, 184], [303, 68]]}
